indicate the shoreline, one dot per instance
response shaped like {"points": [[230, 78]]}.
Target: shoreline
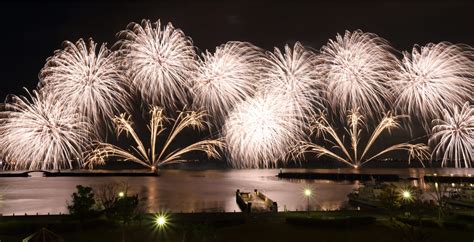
{"points": [[385, 174]]}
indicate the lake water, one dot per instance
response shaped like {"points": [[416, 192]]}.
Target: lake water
{"points": [[195, 190]]}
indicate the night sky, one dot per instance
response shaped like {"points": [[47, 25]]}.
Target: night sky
{"points": [[31, 30]]}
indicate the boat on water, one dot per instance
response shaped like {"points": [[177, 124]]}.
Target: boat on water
{"points": [[366, 195], [255, 201], [461, 197]]}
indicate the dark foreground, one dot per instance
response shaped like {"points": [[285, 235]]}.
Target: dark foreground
{"points": [[227, 227]]}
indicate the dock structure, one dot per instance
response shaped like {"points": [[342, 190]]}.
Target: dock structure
{"points": [[339, 176], [251, 202], [449, 178], [79, 173]]}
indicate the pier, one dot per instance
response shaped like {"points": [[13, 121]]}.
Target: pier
{"points": [[449, 178], [80, 173], [339, 176], [255, 202]]}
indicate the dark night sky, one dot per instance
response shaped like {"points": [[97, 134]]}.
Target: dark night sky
{"points": [[31, 31]]}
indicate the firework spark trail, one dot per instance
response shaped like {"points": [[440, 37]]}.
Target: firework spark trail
{"points": [[78, 76], [227, 77], [355, 122], [42, 134], [454, 136], [356, 68], [260, 131], [293, 75], [160, 61], [433, 78], [149, 157]]}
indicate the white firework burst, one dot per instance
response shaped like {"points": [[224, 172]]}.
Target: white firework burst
{"points": [[79, 76], [260, 131], [356, 68], [433, 78], [293, 74], [227, 77], [42, 134], [160, 61], [454, 136]]}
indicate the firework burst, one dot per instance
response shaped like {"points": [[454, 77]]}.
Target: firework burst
{"points": [[227, 77], [78, 76], [151, 157], [160, 61], [260, 131], [433, 78], [292, 74], [355, 68], [454, 135], [42, 134], [355, 123]]}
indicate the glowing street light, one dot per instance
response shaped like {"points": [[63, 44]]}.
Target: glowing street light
{"points": [[121, 194], [160, 221], [307, 194], [406, 195]]}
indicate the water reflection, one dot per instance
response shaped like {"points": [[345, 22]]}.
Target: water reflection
{"points": [[195, 191]]}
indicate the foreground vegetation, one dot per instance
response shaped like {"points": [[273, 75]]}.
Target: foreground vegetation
{"points": [[285, 226]]}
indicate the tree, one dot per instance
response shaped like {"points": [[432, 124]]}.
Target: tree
{"points": [[124, 210], [389, 199], [107, 195], [82, 203], [412, 226], [441, 197]]}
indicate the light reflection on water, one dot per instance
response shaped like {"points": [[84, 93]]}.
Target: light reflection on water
{"points": [[191, 190]]}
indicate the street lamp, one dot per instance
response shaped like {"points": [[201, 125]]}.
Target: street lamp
{"points": [[406, 195], [160, 221], [121, 194], [307, 194]]}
